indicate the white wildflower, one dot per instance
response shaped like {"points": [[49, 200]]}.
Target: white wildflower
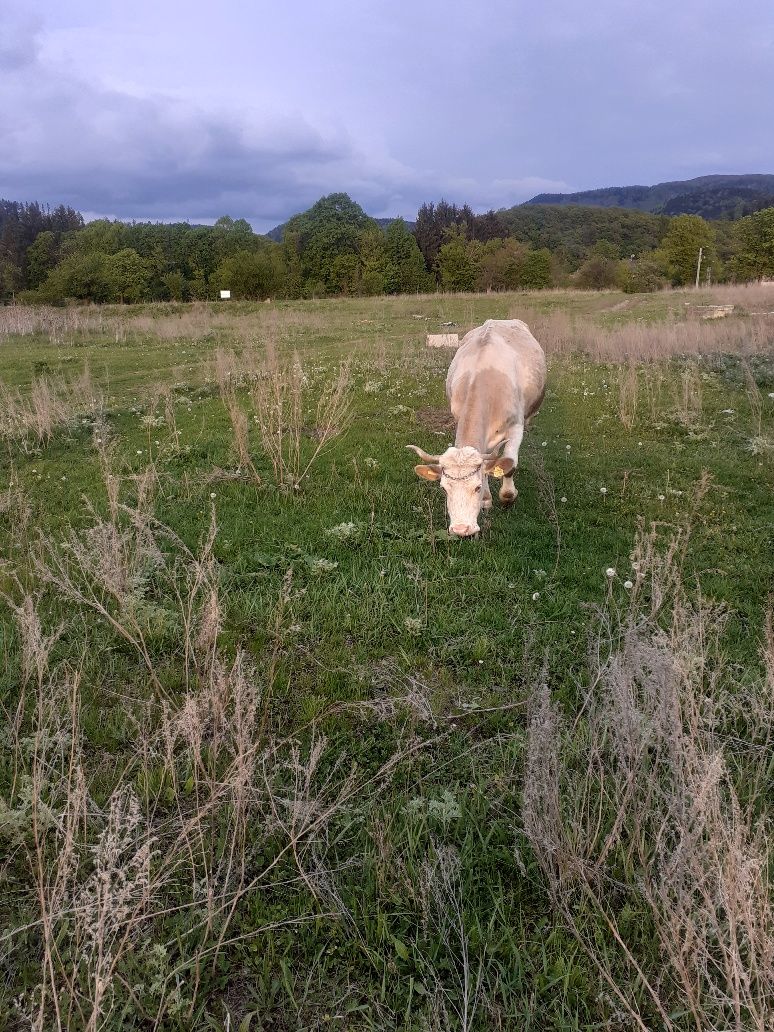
{"points": [[610, 572], [323, 566], [344, 531]]}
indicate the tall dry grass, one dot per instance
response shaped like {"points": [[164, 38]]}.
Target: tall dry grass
{"points": [[293, 428], [164, 863], [565, 333], [58, 324], [654, 801], [31, 419]]}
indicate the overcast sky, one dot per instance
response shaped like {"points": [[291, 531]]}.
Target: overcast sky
{"points": [[166, 110]]}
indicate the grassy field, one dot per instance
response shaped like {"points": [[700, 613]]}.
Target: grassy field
{"points": [[277, 753]]}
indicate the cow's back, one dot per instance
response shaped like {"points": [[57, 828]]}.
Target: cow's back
{"points": [[502, 347]]}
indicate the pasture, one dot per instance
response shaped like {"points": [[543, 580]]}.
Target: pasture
{"points": [[276, 752]]}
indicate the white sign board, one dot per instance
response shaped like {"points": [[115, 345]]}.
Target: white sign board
{"points": [[225, 295]]}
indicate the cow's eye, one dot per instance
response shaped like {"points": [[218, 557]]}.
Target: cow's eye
{"points": [[477, 488]]}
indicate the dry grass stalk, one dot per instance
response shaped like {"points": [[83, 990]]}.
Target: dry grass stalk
{"points": [[563, 333], [640, 798], [687, 395], [547, 495], [105, 879], [628, 387], [32, 419], [442, 901], [280, 403]]}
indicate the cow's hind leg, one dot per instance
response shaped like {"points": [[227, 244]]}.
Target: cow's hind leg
{"points": [[508, 491]]}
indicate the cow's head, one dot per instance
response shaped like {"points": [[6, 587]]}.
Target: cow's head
{"points": [[461, 472]]}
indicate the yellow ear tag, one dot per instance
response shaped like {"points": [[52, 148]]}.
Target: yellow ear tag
{"points": [[498, 472]]}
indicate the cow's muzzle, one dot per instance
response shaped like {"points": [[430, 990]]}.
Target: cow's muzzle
{"points": [[463, 530]]}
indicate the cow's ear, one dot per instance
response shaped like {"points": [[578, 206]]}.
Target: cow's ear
{"points": [[502, 467], [428, 472]]}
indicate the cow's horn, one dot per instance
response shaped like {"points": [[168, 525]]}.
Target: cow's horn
{"points": [[423, 454]]}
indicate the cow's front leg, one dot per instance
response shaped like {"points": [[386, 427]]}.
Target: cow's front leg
{"points": [[508, 491], [486, 494]]}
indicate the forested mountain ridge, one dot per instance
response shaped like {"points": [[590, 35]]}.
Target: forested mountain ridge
{"points": [[712, 197]]}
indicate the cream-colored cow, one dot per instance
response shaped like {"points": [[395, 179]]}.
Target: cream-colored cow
{"points": [[495, 384]]}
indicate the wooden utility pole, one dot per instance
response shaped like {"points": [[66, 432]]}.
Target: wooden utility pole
{"points": [[698, 266]]}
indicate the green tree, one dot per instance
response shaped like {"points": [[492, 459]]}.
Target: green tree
{"points": [[42, 255], [100, 235], [597, 273], [641, 275], [455, 263], [680, 247], [501, 264], [230, 236], [81, 277], [128, 275], [536, 270], [250, 275], [328, 241], [291, 257], [373, 261], [405, 271], [754, 246], [175, 286]]}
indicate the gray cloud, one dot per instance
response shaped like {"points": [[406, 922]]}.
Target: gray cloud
{"points": [[168, 111]]}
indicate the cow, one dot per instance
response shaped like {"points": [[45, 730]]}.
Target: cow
{"points": [[495, 384]]}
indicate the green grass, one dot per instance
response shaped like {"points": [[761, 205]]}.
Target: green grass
{"points": [[396, 607]]}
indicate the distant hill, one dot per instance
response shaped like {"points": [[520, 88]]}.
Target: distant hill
{"points": [[574, 230], [712, 197], [278, 232]]}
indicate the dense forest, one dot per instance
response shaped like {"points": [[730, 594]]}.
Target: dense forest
{"points": [[335, 248], [712, 197]]}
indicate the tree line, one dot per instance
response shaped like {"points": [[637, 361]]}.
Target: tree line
{"points": [[334, 248]]}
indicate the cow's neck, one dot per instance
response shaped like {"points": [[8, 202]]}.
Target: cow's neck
{"points": [[482, 400], [473, 429]]}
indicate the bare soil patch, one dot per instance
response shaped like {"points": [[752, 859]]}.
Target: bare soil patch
{"points": [[437, 420]]}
